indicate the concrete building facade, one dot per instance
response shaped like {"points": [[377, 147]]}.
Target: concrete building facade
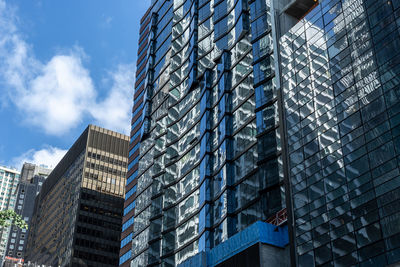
{"points": [[9, 179], [32, 178]]}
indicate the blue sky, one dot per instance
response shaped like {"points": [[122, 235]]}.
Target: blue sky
{"points": [[64, 64]]}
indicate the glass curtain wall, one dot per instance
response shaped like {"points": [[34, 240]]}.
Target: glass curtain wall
{"points": [[208, 165], [340, 67]]}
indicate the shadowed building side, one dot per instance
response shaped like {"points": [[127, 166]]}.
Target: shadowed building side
{"points": [[78, 216], [9, 179], [32, 178]]}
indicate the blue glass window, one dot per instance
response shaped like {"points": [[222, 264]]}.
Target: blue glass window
{"points": [[135, 136], [141, 94], [265, 93], [136, 123], [259, 26], [133, 150], [263, 70], [126, 240], [130, 207], [137, 110], [130, 166], [258, 8], [130, 192], [132, 177], [262, 47], [128, 223], [143, 40], [125, 257]]}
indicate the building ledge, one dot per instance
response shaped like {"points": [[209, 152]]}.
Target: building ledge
{"points": [[259, 232], [299, 8]]}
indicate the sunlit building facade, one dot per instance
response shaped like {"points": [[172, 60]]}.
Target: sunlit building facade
{"points": [[77, 218], [205, 157], [340, 83]]}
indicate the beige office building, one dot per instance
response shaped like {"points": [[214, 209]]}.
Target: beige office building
{"points": [[78, 216]]}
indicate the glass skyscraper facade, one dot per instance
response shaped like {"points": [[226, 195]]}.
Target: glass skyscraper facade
{"points": [[205, 156], [250, 107], [134, 143], [340, 82]]}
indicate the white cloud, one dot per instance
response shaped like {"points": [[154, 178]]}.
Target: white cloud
{"points": [[49, 156], [112, 112], [57, 95], [57, 98], [106, 21]]}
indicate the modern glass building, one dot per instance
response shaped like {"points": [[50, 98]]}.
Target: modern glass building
{"points": [[134, 143], [340, 83], [77, 217], [205, 157], [250, 107], [9, 179]]}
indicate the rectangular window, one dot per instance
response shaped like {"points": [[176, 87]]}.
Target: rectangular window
{"points": [[126, 240], [128, 223], [125, 257], [129, 208], [130, 192]]}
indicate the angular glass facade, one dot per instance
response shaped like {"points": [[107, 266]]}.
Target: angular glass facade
{"points": [[340, 69], [210, 161], [134, 143]]}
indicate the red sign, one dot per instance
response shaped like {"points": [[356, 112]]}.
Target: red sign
{"points": [[14, 259]]}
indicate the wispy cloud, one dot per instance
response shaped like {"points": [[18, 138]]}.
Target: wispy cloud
{"points": [[106, 21], [57, 97], [111, 112], [58, 94], [49, 156]]}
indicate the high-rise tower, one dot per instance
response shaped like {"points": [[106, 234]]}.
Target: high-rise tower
{"points": [[340, 81], [9, 179], [78, 213], [250, 107], [205, 155], [32, 178], [134, 143]]}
